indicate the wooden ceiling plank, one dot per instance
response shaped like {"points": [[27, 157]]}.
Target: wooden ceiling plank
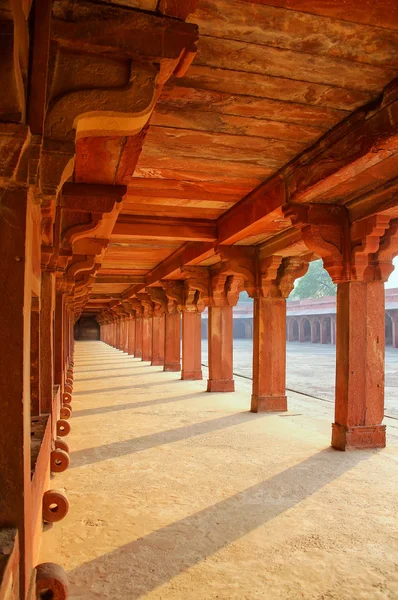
{"points": [[366, 139], [382, 13], [299, 31], [185, 98], [234, 125], [253, 58], [202, 77]]}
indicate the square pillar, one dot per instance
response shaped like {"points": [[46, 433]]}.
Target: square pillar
{"points": [[220, 343], [172, 359], [324, 331], [158, 326], [394, 320], [359, 409], [269, 355], [138, 338], [191, 345], [147, 338], [131, 337], [20, 274], [314, 331]]}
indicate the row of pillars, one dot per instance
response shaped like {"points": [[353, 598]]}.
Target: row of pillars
{"points": [[359, 402], [312, 329]]}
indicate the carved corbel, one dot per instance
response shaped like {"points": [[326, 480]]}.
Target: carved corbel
{"points": [[224, 289], [137, 307], [196, 288], [159, 299], [325, 232], [291, 269], [147, 304], [366, 236], [175, 295], [382, 262], [268, 276]]}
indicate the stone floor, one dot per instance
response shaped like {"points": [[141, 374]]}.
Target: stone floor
{"points": [[178, 494], [320, 382]]}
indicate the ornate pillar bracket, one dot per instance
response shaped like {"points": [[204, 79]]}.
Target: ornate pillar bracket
{"points": [[174, 291], [275, 276], [358, 257], [358, 251], [159, 299]]}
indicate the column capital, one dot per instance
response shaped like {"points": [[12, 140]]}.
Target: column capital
{"points": [[137, 306], [159, 299], [358, 251], [147, 304], [174, 290]]}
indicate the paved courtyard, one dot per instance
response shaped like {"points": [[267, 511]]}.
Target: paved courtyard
{"points": [[311, 369]]}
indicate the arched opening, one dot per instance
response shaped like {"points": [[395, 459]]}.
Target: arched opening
{"points": [[388, 330], [328, 330], [87, 328]]}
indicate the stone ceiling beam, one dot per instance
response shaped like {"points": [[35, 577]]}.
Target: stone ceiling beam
{"points": [[162, 228], [364, 140]]}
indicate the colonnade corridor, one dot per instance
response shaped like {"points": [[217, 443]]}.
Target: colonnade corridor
{"points": [[179, 493]]}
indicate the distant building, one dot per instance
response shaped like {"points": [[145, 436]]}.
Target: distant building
{"points": [[312, 320]]}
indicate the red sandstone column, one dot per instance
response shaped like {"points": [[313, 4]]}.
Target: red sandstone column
{"points": [[191, 345], [324, 331], [131, 340], [269, 355], [47, 340], [359, 409], [314, 334], [220, 349], [118, 325], [19, 232], [147, 338], [138, 337], [158, 327], [58, 341], [172, 340], [301, 330]]}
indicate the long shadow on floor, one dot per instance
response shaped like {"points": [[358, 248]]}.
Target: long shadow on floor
{"points": [[117, 449], [104, 369], [185, 543], [132, 386], [133, 405]]}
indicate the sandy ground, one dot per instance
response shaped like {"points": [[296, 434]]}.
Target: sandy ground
{"points": [[311, 369], [177, 493]]}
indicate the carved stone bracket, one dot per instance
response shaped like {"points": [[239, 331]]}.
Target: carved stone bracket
{"points": [[175, 295], [159, 299]]}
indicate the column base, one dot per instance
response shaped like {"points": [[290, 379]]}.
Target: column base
{"points": [[146, 358], [138, 355], [157, 362], [361, 436], [191, 375], [220, 385], [268, 404], [172, 367]]}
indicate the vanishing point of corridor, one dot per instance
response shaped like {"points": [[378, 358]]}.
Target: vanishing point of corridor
{"points": [[176, 493]]}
